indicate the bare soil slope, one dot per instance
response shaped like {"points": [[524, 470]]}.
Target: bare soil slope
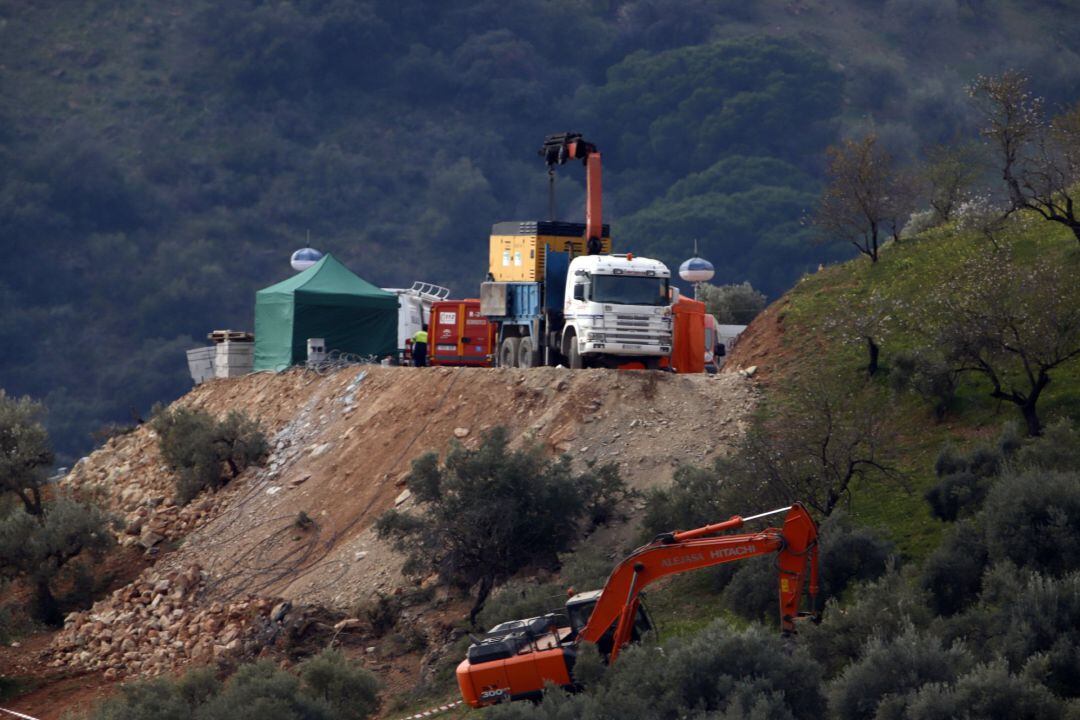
{"points": [[343, 443]]}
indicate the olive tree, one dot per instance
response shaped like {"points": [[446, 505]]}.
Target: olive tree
{"points": [[44, 531], [1014, 325], [490, 511]]}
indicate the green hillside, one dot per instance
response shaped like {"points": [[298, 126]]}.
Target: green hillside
{"points": [[901, 293]]}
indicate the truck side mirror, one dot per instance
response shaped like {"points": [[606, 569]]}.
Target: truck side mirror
{"points": [[579, 291]]}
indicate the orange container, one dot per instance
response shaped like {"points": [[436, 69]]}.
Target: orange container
{"points": [[688, 345], [459, 335]]}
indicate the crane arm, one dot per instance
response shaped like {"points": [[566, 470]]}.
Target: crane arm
{"points": [[674, 553], [560, 148]]}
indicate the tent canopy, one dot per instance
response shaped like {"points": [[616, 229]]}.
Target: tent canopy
{"points": [[325, 301]]}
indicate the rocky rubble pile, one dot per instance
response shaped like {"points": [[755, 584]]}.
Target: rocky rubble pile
{"points": [[157, 623], [127, 476]]}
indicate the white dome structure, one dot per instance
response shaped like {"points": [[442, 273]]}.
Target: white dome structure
{"points": [[696, 270], [304, 258]]}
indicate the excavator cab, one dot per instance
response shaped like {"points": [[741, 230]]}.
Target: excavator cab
{"points": [[580, 607]]}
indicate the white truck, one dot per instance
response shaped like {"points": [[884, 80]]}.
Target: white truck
{"points": [[616, 309], [591, 311]]}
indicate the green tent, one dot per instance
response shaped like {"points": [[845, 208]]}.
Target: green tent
{"points": [[325, 301]]}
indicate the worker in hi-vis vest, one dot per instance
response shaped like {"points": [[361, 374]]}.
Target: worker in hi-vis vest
{"points": [[419, 347]]}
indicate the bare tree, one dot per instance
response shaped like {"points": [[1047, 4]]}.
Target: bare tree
{"points": [[863, 320], [830, 435], [867, 200], [1040, 159], [1013, 325], [950, 172]]}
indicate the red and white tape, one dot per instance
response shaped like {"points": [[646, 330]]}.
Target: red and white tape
{"points": [[432, 712], [17, 714], [418, 716]]}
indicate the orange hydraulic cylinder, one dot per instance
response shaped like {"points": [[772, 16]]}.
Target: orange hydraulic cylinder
{"points": [[688, 345], [594, 212]]}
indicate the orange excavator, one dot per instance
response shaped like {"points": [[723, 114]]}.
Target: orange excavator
{"points": [[514, 660]]}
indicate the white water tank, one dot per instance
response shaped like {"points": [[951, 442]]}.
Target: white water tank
{"points": [[304, 258], [696, 270]]}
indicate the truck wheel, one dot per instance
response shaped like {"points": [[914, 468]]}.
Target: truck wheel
{"points": [[528, 356], [574, 359], [508, 353]]}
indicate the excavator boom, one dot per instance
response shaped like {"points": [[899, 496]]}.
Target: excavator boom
{"points": [[673, 553]]}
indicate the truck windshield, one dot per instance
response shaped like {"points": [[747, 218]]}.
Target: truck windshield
{"points": [[629, 290]]}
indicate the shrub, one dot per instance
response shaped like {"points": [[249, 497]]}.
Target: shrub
{"points": [[752, 591], [882, 682], [697, 496], [203, 452], [850, 553], [260, 690], [987, 692], [351, 691], [38, 547], [926, 375], [731, 304], [953, 495], [519, 599], [919, 222], [715, 670], [964, 480], [884, 607], [150, 700], [1032, 622], [1058, 448], [589, 666], [1032, 518], [953, 572], [328, 687], [717, 673], [587, 568]]}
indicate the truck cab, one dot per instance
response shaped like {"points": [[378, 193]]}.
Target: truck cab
{"points": [[616, 306]]}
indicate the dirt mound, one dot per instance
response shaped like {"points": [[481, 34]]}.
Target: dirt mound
{"points": [[761, 344], [342, 444]]}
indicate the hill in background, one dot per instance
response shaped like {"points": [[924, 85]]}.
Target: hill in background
{"points": [[158, 163]]}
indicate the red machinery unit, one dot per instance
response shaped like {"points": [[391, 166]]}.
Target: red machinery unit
{"points": [[688, 348], [459, 335]]}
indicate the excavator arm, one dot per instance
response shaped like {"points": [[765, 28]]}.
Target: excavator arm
{"points": [[671, 553], [560, 148]]}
